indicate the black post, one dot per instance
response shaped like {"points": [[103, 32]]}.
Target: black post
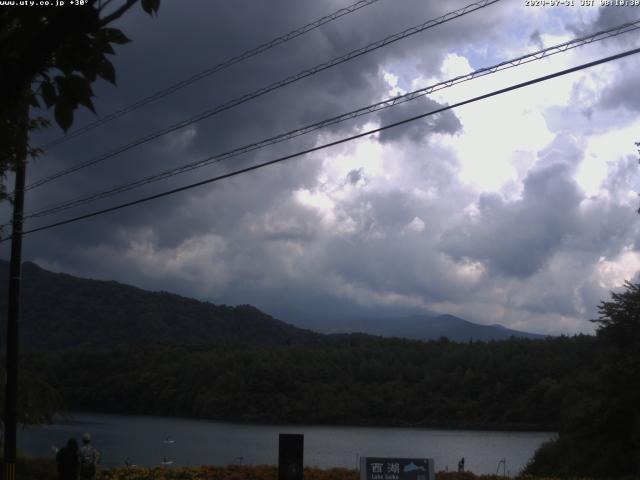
{"points": [[13, 317], [290, 456]]}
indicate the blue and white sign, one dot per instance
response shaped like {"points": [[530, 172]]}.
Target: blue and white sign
{"points": [[385, 468]]}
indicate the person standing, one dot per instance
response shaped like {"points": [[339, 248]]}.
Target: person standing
{"points": [[67, 460], [88, 458]]}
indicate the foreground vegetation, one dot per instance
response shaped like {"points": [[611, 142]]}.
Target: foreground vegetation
{"points": [[44, 469], [601, 435]]}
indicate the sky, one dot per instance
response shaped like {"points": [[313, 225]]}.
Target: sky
{"points": [[518, 210]]}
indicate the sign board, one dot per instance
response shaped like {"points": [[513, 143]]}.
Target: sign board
{"points": [[290, 456], [385, 468]]}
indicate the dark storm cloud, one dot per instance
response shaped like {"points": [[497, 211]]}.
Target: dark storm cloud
{"points": [[622, 175], [393, 209], [370, 240], [180, 42], [418, 131], [355, 176], [608, 223], [606, 18], [536, 39], [621, 91], [517, 238]]}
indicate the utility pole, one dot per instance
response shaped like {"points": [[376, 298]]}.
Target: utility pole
{"points": [[13, 317]]}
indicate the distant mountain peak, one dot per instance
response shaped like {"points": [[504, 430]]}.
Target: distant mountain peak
{"points": [[421, 327]]}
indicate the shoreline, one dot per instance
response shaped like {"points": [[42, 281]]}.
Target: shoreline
{"points": [[511, 428]]}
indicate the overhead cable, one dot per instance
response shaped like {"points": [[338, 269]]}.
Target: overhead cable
{"points": [[264, 90], [530, 57], [331, 144], [210, 71]]}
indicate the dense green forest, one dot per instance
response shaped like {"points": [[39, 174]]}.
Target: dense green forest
{"points": [[523, 384], [62, 311]]}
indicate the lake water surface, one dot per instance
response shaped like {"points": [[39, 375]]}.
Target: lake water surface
{"points": [[195, 442]]}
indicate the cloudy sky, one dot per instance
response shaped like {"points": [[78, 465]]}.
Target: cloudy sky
{"points": [[519, 210]]}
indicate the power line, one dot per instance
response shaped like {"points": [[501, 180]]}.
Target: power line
{"points": [[210, 71], [262, 91], [331, 144], [538, 55]]}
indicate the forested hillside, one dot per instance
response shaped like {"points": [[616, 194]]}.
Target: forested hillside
{"points": [[62, 311], [359, 380], [110, 347]]}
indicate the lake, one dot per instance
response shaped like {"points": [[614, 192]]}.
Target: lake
{"points": [[188, 442]]}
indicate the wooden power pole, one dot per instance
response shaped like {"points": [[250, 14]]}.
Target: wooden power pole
{"points": [[13, 317]]}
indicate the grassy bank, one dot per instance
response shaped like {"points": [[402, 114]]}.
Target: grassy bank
{"points": [[45, 469]]}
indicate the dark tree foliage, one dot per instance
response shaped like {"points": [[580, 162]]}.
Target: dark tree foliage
{"points": [[514, 384], [90, 313], [38, 401], [601, 438], [50, 56]]}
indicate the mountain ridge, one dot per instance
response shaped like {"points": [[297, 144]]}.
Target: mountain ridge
{"points": [[98, 313], [62, 311], [423, 327]]}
